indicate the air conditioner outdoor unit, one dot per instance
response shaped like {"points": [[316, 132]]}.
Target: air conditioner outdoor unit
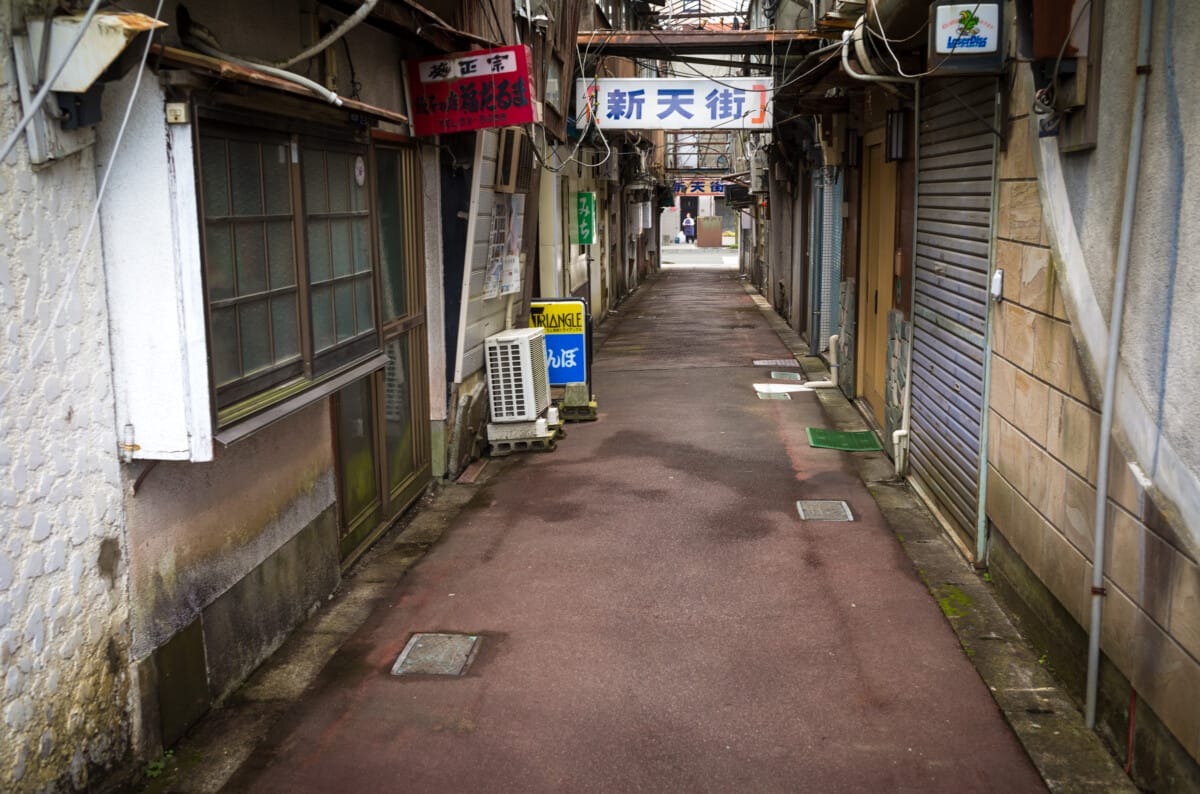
{"points": [[518, 384]]}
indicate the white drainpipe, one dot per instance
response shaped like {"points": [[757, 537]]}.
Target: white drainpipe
{"points": [[833, 359]]}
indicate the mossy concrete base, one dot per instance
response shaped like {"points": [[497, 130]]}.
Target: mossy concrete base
{"points": [[1159, 762], [209, 658]]}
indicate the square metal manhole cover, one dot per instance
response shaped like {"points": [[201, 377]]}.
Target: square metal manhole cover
{"points": [[824, 510], [437, 654], [771, 395], [775, 362], [787, 375]]}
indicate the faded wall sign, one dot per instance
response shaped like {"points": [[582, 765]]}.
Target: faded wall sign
{"points": [[471, 90]]}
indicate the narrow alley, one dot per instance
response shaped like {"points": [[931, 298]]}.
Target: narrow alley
{"points": [[654, 614]]}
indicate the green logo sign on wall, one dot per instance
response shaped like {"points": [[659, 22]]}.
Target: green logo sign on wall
{"points": [[583, 231]]}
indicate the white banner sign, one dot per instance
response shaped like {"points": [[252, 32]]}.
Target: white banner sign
{"points": [[728, 103]]}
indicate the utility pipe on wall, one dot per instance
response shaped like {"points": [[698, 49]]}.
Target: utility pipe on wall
{"points": [[833, 359], [981, 519], [1133, 167]]}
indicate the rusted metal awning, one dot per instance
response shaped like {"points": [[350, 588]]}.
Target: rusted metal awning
{"points": [[224, 70], [666, 43]]}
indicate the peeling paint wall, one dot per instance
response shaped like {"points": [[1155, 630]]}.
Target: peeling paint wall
{"points": [[63, 561], [196, 529]]}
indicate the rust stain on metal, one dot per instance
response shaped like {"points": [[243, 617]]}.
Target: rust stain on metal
{"points": [[130, 20], [174, 56]]}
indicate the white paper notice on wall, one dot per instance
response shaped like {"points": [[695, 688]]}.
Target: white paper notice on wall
{"points": [[491, 278], [510, 275]]}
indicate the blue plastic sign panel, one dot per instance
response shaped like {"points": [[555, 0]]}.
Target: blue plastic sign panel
{"points": [[565, 322]]}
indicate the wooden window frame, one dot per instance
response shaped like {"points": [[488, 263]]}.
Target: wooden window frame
{"points": [[249, 396]]}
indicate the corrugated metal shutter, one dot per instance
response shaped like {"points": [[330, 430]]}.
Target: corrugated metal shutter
{"points": [[954, 210]]}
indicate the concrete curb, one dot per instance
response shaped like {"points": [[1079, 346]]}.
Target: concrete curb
{"points": [[1047, 722]]}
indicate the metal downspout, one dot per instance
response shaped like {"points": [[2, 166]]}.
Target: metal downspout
{"points": [[981, 535], [1134, 161], [900, 437]]}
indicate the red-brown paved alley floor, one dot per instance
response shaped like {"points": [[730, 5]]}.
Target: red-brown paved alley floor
{"points": [[655, 615]]}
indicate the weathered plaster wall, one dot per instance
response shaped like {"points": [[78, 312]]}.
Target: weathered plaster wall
{"points": [[1042, 467], [1160, 348], [63, 570], [196, 529]]}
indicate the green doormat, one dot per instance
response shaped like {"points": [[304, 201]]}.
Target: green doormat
{"points": [[847, 440]]}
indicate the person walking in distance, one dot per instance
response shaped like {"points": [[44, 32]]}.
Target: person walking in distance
{"points": [[689, 229]]}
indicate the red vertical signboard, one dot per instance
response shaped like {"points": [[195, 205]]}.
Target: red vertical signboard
{"points": [[471, 90]]}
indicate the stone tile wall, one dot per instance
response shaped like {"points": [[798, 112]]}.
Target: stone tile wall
{"points": [[1042, 468]]}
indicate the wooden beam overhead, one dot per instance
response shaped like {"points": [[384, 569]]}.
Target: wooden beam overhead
{"points": [[662, 44]]}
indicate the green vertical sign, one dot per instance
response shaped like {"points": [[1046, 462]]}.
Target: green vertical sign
{"points": [[583, 230]]}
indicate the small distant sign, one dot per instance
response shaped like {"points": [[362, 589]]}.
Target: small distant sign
{"points": [[565, 323], [967, 29], [472, 90]]}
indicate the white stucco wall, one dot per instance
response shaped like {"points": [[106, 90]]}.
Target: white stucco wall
{"points": [[63, 603]]}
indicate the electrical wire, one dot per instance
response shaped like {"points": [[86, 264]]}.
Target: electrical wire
{"points": [[899, 69], [36, 104], [69, 282], [349, 22], [582, 133], [1045, 99]]}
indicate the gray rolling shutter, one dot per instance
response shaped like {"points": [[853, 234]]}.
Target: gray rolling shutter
{"points": [[954, 211], [826, 255]]}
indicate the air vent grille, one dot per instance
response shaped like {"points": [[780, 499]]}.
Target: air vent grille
{"points": [[518, 385]]}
